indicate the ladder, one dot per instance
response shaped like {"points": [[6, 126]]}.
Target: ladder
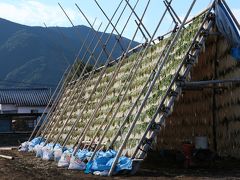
{"points": [[163, 110], [172, 92]]}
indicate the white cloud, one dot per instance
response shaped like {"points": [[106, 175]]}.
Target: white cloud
{"points": [[31, 12]]}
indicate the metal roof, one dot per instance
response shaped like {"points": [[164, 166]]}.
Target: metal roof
{"points": [[25, 97]]}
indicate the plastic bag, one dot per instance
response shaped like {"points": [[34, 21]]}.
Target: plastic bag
{"points": [[38, 149], [101, 173], [47, 152], [100, 163], [88, 167], [57, 152], [76, 163], [37, 146], [23, 147], [110, 153], [33, 143], [65, 158], [124, 163], [36, 140], [88, 155]]}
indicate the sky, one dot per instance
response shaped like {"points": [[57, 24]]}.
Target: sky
{"points": [[37, 12]]}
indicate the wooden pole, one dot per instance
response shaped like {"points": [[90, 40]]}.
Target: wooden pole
{"points": [[6, 157]]}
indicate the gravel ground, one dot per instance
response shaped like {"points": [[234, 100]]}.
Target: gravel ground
{"points": [[26, 166]]}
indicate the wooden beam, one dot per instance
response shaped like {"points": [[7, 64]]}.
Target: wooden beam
{"points": [[6, 157], [209, 84]]}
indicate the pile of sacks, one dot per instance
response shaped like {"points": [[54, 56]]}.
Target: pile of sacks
{"points": [[100, 165], [28, 146]]}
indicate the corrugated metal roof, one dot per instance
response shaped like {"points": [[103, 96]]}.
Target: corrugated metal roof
{"points": [[25, 97]]}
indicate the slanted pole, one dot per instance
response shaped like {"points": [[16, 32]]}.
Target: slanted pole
{"points": [[114, 27], [145, 86], [91, 74], [78, 66], [110, 83], [170, 12], [145, 37], [61, 89], [161, 120], [48, 105], [78, 98], [80, 139], [148, 93], [129, 5], [76, 85], [171, 9], [131, 73], [130, 79]]}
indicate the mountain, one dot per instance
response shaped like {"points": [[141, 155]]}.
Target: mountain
{"points": [[38, 56]]}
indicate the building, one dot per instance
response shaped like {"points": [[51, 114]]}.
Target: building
{"points": [[21, 108]]}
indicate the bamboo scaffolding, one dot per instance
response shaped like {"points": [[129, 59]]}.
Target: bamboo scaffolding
{"points": [[148, 92], [130, 79], [171, 101], [80, 139], [112, 79], [145, 86], [60, 91], [76, 85], [98, 81], [83, 71], [79, 96]]}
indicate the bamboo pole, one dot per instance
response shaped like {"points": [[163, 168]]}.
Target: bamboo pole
{"points": [[130, 79], [129, 5], [175, 14], [145, 86], [172, 82], [148, 93], [91, 73], [61, 89], [80, 139], [76, 85], [210, 82], [109, 84], [78, 98]]}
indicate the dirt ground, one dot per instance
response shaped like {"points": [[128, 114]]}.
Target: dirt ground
{"points": [[27, 166]]}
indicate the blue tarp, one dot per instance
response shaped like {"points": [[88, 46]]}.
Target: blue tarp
{"points": [[104, 161], [228, 28]]}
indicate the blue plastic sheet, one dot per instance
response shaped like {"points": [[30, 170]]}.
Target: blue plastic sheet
{"points": [[124, 163], [235, 52], [104, 161], [101, 164], [228, 28], [100, 161]]}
